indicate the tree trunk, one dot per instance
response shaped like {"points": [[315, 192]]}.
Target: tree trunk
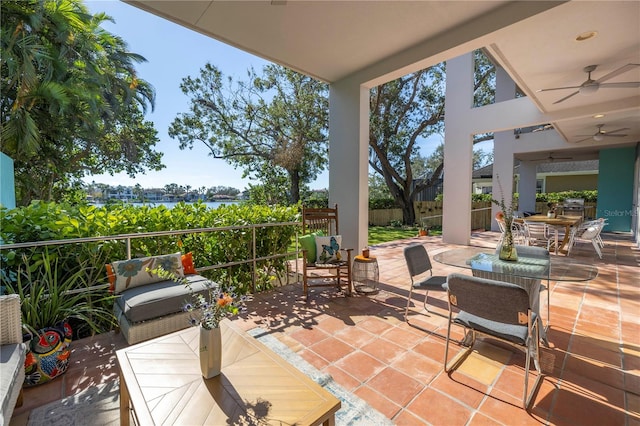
{"points": [[294, 190], [408, 214]]}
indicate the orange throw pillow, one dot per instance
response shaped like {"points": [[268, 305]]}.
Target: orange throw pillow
{"points": [[111, 277], [187, 263]]}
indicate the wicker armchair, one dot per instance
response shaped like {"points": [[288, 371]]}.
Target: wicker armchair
{"points": [[12, 355]]}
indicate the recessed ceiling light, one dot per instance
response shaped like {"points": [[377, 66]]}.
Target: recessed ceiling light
{"points": [[598, 116], [586, 35]]}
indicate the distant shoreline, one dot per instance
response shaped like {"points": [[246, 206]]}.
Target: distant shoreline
{"points": [[172, 204]]}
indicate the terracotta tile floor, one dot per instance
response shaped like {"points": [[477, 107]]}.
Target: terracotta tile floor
{"points": [[592, 365]]}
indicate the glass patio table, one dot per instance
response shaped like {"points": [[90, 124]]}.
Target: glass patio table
{"points": [[527, 272], [527, 266]]}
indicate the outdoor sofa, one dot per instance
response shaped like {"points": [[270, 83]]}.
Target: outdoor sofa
{"points": [[148, 306], [12, 355]]}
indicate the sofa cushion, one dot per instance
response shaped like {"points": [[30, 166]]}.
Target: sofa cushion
{"points": [[133, 272], [11, 374], [159, 299]]}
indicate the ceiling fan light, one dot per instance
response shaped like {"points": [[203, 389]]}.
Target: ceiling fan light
{"points": [[598, 138], [588, 89], [586, 35]]}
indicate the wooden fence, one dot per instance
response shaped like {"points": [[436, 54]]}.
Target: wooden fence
{"points": [[429, 213]]}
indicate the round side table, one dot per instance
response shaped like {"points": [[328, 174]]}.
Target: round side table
{"points": [[365, 274]]}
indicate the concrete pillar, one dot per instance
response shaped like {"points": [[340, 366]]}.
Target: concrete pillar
{"points": [[503, 145], [458, 151], [503, 148], [527, 186], [348, 160]]}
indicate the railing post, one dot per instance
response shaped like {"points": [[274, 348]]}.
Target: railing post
{"points": [[255, 265], [129, 237]]}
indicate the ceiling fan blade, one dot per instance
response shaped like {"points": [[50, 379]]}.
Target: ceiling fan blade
{"points": [[557, 88], [566, 97], [552, 159], [616, 131], [585, 139], [608, 135], [617, 72], [621, 85]]}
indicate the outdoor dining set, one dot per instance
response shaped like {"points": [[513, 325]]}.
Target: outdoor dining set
{"points": [[501, 298], [559, 233]]}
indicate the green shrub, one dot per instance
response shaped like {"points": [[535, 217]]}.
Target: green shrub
{"points": [[556, 197], [48, 298], [382, 203], [50, 221]]}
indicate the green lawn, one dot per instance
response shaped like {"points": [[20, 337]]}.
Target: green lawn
{"points": [[383, 234]]}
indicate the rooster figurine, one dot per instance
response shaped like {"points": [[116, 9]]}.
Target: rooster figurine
{"points": [[48, 354]]}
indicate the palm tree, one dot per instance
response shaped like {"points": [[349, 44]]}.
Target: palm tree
{"points": [[70, 96]]}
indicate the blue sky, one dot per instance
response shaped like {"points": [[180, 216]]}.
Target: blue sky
{"points": [[174, 52]]}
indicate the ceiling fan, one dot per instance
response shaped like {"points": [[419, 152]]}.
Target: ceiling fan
{"points": [[590, 86], [601, 134], [551, 158]]}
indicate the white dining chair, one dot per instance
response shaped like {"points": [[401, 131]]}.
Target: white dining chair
{"points": [[588, 232], [538, 234]]}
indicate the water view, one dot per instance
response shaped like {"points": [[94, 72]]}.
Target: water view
{"points": [[171, 204]]}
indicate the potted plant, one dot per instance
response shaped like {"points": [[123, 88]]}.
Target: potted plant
{"points": [[423, 230], [50, 297]]}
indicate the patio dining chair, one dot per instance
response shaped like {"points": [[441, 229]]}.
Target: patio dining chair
{"points": [[422, 278], [524, 282], [519, 233], [602, 222], [588, 232], [517, 230], [538, 234], [496, 309], [419, 264]]}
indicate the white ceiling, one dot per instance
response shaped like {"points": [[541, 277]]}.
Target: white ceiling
{"points": [[533, 41], [542, 52]]}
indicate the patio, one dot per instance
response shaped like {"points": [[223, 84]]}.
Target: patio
{"points": [[592, 364]]}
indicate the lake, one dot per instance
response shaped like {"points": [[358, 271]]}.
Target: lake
{"points": [[171, 204]]}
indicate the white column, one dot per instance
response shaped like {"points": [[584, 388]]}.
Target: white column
{"points": [[503, 148], [503, 145], [348, 160], [458, 153], [527, 186]]}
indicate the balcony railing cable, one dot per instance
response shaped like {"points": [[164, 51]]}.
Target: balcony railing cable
{"points": [[129, 237]]}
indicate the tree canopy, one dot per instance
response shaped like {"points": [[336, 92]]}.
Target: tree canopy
{"points": [[405, 111], [71, 101], [480, 158], [273, 126]]}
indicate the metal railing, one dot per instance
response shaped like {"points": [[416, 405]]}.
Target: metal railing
{"points": [[129, 237]]}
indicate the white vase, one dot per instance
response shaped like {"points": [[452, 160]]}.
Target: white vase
{"points": [[210, 352]]}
